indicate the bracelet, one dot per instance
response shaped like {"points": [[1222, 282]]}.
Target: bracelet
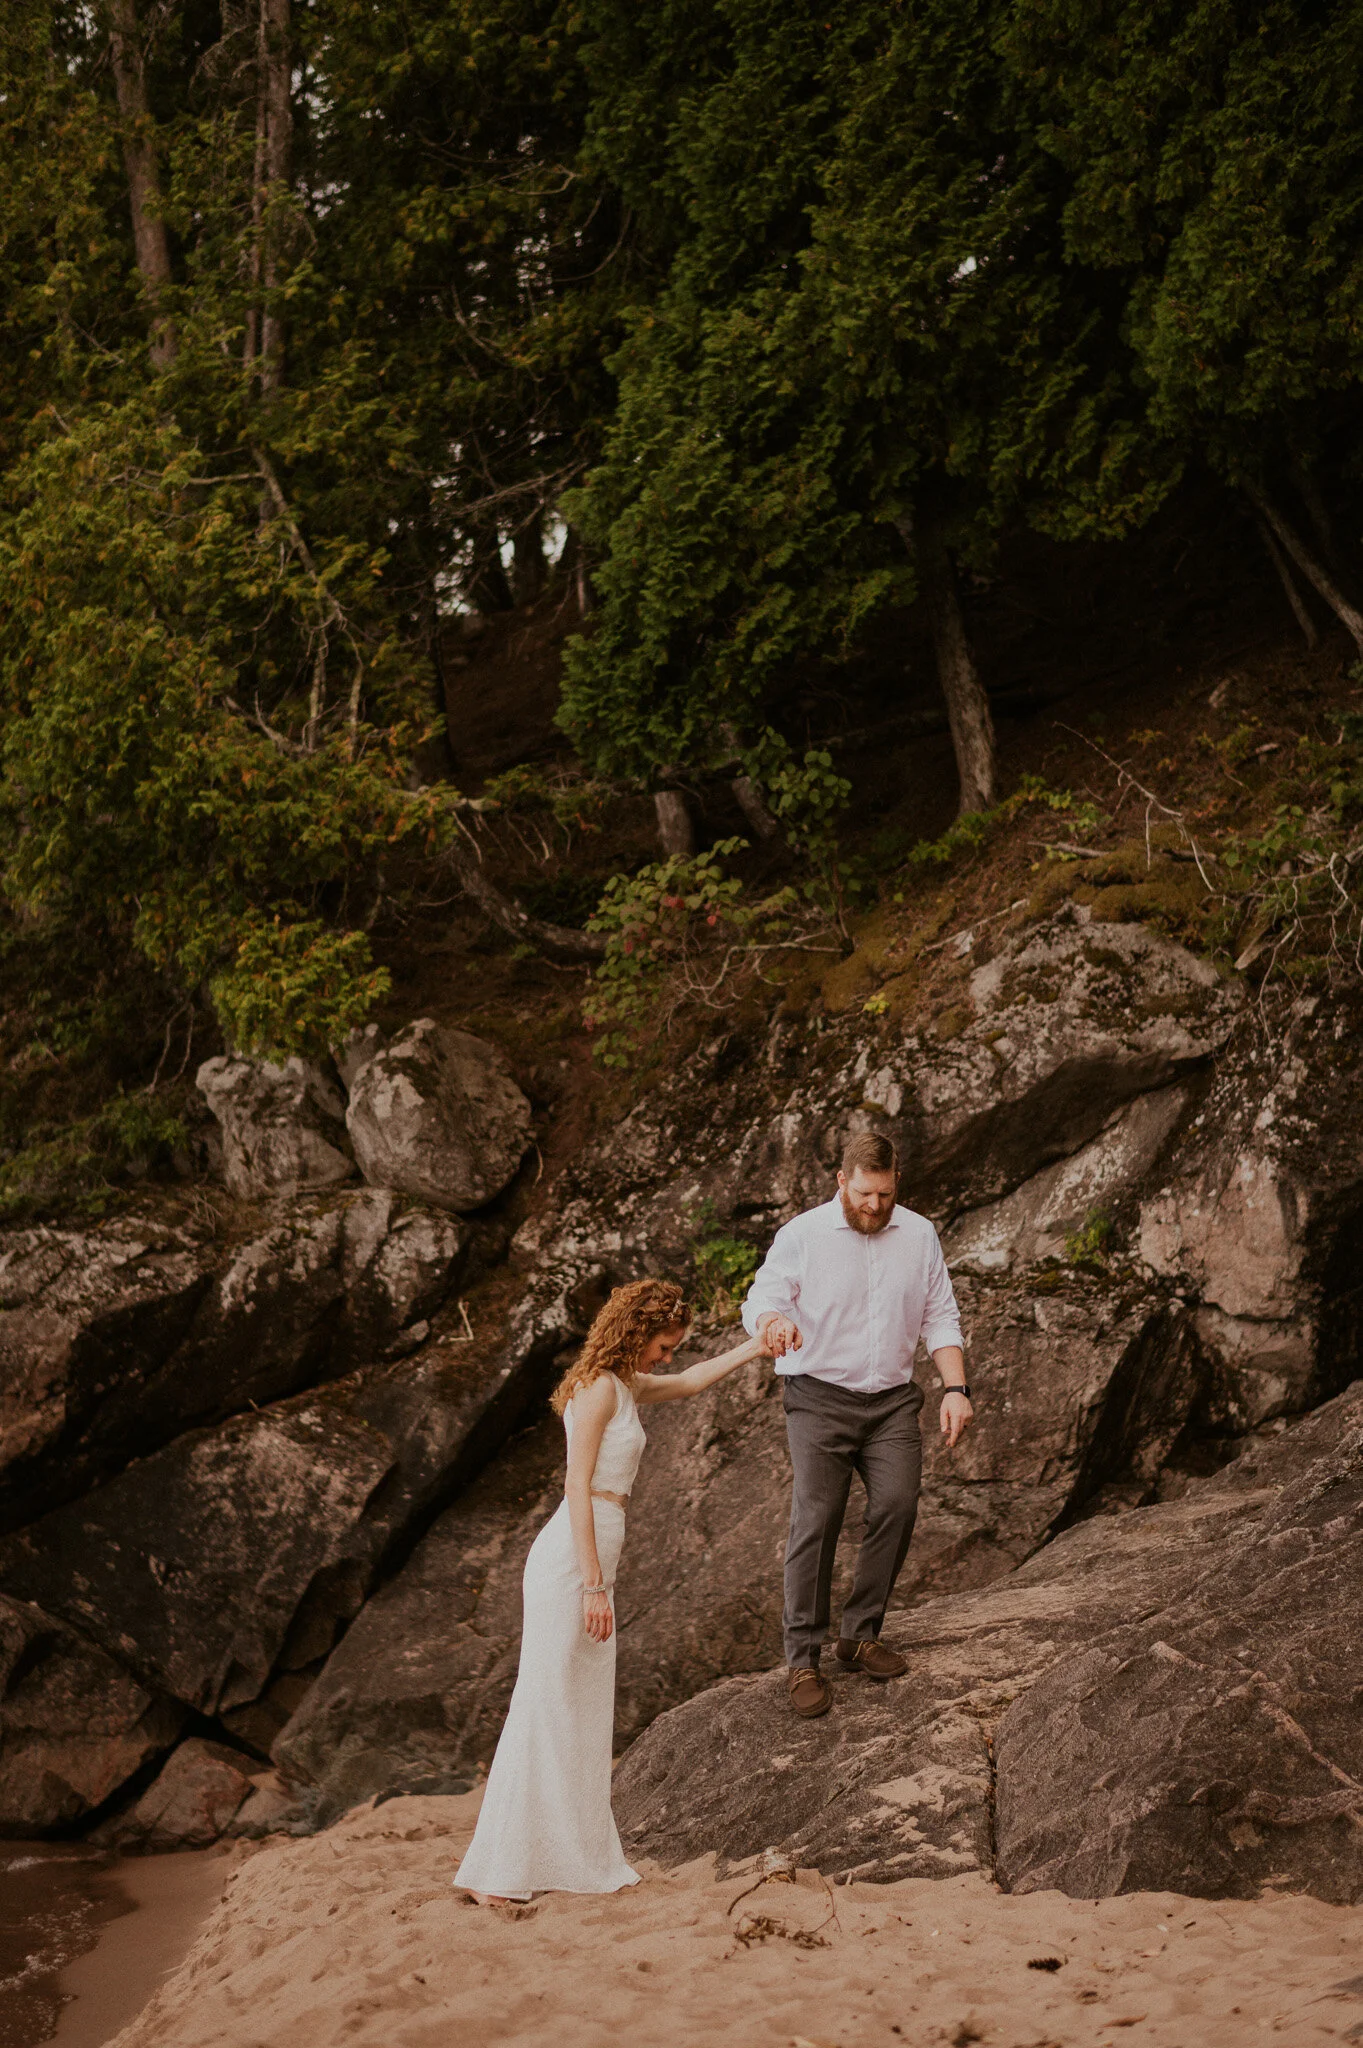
{"points": [[602, 1588], [957, 1390]]}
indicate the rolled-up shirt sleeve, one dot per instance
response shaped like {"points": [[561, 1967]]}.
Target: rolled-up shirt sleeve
{"points": [[776, 1290], [941, 1317]]}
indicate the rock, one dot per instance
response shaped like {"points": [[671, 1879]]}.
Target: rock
{"points": [[241, 1551], [1216, 1746], [192, 1564], [398, 1267], [283, 1127], [74, 1725], [1069, 1388], [269, 1809], [1066, 1025], [436, 1114], [83, 1313], [1261, 1218], [117, 1339], [1157, 1722], [191, 1802], [1034, 1222], [417, 1689]]}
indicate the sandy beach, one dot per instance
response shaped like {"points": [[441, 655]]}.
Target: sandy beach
{"points": [[357, 1935]]}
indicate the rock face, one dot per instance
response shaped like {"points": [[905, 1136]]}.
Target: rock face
{"points": [[275, 1481], [1216, 1745], [115, 1340], [436, 1114], [413, 1697], [74, 1725], [283, 1127], [1154, 1722], [417, 1690], [82, 1315], [1107, 1384]]}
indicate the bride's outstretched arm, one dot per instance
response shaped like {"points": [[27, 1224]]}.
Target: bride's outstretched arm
{"points": [[676, 1386]]}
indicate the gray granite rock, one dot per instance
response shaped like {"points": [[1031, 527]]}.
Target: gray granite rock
{"points": [[283, 1126], [436, 1114]]}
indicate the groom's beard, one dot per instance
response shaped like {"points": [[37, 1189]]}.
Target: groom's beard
{"points": [[862, 1220]]}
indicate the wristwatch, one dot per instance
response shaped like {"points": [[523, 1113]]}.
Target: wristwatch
{"points": [[957, 1390]]}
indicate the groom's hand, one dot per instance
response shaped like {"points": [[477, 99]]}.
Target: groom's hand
{"points": [[779, 1334], [957, 1416]]}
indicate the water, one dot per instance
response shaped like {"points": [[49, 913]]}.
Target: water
{"points": [[54, 1898]]}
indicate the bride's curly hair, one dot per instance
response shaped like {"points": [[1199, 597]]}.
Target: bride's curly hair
{"points": [[616, 1339]]}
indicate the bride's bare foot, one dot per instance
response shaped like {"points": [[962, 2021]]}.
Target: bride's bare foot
{"points": [[515, 1907]]}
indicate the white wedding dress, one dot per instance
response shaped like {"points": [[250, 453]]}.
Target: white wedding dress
{"points": [[546, 1823]]}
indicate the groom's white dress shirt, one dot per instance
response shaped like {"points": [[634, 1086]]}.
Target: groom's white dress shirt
{"points": [[860, 1303]]}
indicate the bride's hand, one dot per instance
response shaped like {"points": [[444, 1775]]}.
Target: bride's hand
{"points": [[597, 1617]]}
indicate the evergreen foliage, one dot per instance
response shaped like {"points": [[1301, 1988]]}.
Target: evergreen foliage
{"points": [[318, 320]]}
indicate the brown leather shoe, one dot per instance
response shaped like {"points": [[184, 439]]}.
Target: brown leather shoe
{"points": [[872, 1659], [810, 1694]]}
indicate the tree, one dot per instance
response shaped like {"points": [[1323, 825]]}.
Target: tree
{"points": [[1213, 161], [857, 371], [223, 559]]}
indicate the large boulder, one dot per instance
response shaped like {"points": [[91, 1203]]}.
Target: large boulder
{"points": [[114, 1340], [239, 1552], [1216, 1745], [1259, 1217], [435, 1113], [191, 1565], [413, 1697], [1064, 1026], [283, 1127], [1208, 1745], [83, 1313], [75, 1726]]}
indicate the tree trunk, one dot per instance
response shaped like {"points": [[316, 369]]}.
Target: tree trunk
{"points": [[676, 830], [275, 89], [1310, 568], [487, 588], [559, 941], [1308, 490], [144, 180], [1294, 596], [972, 727], [749, 800], [527, 560]]}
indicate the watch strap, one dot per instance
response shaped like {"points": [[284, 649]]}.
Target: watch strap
{"points": [[957, 1390]]}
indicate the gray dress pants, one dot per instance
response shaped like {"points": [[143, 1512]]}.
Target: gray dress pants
{"points": [[834, 1432]]}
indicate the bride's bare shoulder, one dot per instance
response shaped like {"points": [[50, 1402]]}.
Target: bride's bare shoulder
{"points": [[597, 1397]]}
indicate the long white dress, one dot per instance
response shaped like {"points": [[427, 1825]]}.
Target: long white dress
{"points": [[546, 1823]]}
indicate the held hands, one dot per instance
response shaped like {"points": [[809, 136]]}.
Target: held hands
{"points": [[778, 1335], [957, 1416], [597, 1617]]}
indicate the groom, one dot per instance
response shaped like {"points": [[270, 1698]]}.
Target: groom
{"points": [[841, 1300]]}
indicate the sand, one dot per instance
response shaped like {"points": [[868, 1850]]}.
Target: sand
{"points": [[355, 1936]]}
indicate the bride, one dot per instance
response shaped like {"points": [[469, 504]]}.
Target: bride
{"points": [[546, 1821]]}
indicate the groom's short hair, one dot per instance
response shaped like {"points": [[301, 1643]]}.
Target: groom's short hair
{"points": [[872, 1151]]}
